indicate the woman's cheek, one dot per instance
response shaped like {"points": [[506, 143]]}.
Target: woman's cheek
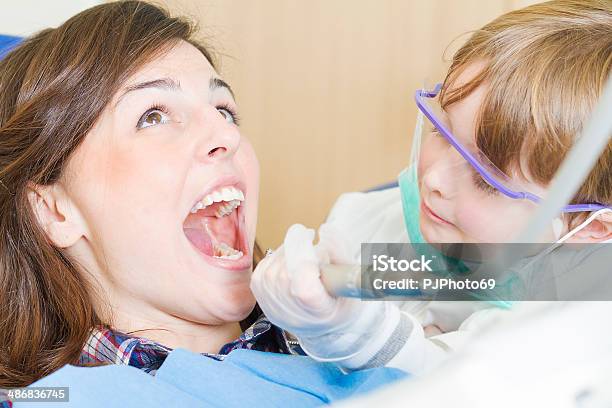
{"points": [[249, 164]]}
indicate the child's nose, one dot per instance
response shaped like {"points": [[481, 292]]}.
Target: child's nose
{"points": [[441, 175]]}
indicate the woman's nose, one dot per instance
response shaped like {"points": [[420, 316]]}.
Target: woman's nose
{"points": [[218, 138]]}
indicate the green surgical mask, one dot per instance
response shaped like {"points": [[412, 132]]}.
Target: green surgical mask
{"points": [[411, 204]]}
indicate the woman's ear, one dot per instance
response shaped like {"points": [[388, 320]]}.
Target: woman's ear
{"points": [[55, 214], [598, 230]]}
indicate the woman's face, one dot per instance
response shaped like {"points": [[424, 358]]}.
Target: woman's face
{"points": [[167, 190], [456, 204]]}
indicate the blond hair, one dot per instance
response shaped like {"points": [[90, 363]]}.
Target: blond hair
{"points": [[545, 67]]}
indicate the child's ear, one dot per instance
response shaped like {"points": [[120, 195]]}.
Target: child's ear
{"points": [[55, 214], [598, 230]]}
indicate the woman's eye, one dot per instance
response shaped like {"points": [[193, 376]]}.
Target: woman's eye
{"points": [[228, 115], [152, 117]]}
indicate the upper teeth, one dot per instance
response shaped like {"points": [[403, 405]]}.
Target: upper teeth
{"points": [[231, 195]]}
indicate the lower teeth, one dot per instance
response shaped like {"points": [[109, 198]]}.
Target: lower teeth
{"points": [[232, 257], [222, 250], [225, 251]]}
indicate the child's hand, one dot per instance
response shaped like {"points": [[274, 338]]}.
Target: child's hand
{"points": [[432, 330], [289, 290], [288, 287]]}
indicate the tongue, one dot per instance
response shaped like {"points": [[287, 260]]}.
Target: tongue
{"points": [[200, 239], [208, 233]]}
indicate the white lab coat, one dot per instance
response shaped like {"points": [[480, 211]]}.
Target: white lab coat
{"points": [[543, 354], [538, 354], [378, 217]]}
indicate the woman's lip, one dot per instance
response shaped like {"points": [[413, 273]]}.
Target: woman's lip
{"points": [[435, 217], [223, 181], [241, 264]]}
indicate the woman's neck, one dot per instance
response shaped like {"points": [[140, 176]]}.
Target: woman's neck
{"points": [[175, 332], [199, 339]]}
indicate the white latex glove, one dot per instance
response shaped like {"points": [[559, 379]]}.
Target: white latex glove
{"points": [[289, 290]]}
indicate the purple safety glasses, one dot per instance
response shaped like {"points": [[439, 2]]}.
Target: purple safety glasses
{"points": [[487, 170]]}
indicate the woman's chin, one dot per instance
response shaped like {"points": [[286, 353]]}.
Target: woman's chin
{"points": [[236, 305]]}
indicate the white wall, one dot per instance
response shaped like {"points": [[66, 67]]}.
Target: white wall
{"points": [[24, 17]]}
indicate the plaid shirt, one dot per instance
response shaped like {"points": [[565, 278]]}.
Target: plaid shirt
{"points": [[105, 345], [114, 347]]}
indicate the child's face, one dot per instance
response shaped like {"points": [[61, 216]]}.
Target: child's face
{"points": [[456, 205]]}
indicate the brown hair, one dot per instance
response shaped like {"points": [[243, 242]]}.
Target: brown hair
{"points": [[53, 87], [545, 67]]}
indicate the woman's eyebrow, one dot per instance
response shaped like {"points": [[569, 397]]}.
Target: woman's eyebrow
{"points": [[219, 83], [161, 83], [171, 84]]}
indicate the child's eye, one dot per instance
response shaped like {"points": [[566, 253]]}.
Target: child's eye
{"points": [[229, 114], [434, 131], [154, 116], [482, 184], [436, 137]]}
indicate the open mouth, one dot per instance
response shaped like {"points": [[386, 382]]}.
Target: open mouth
{"points": [[215, 224]]}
